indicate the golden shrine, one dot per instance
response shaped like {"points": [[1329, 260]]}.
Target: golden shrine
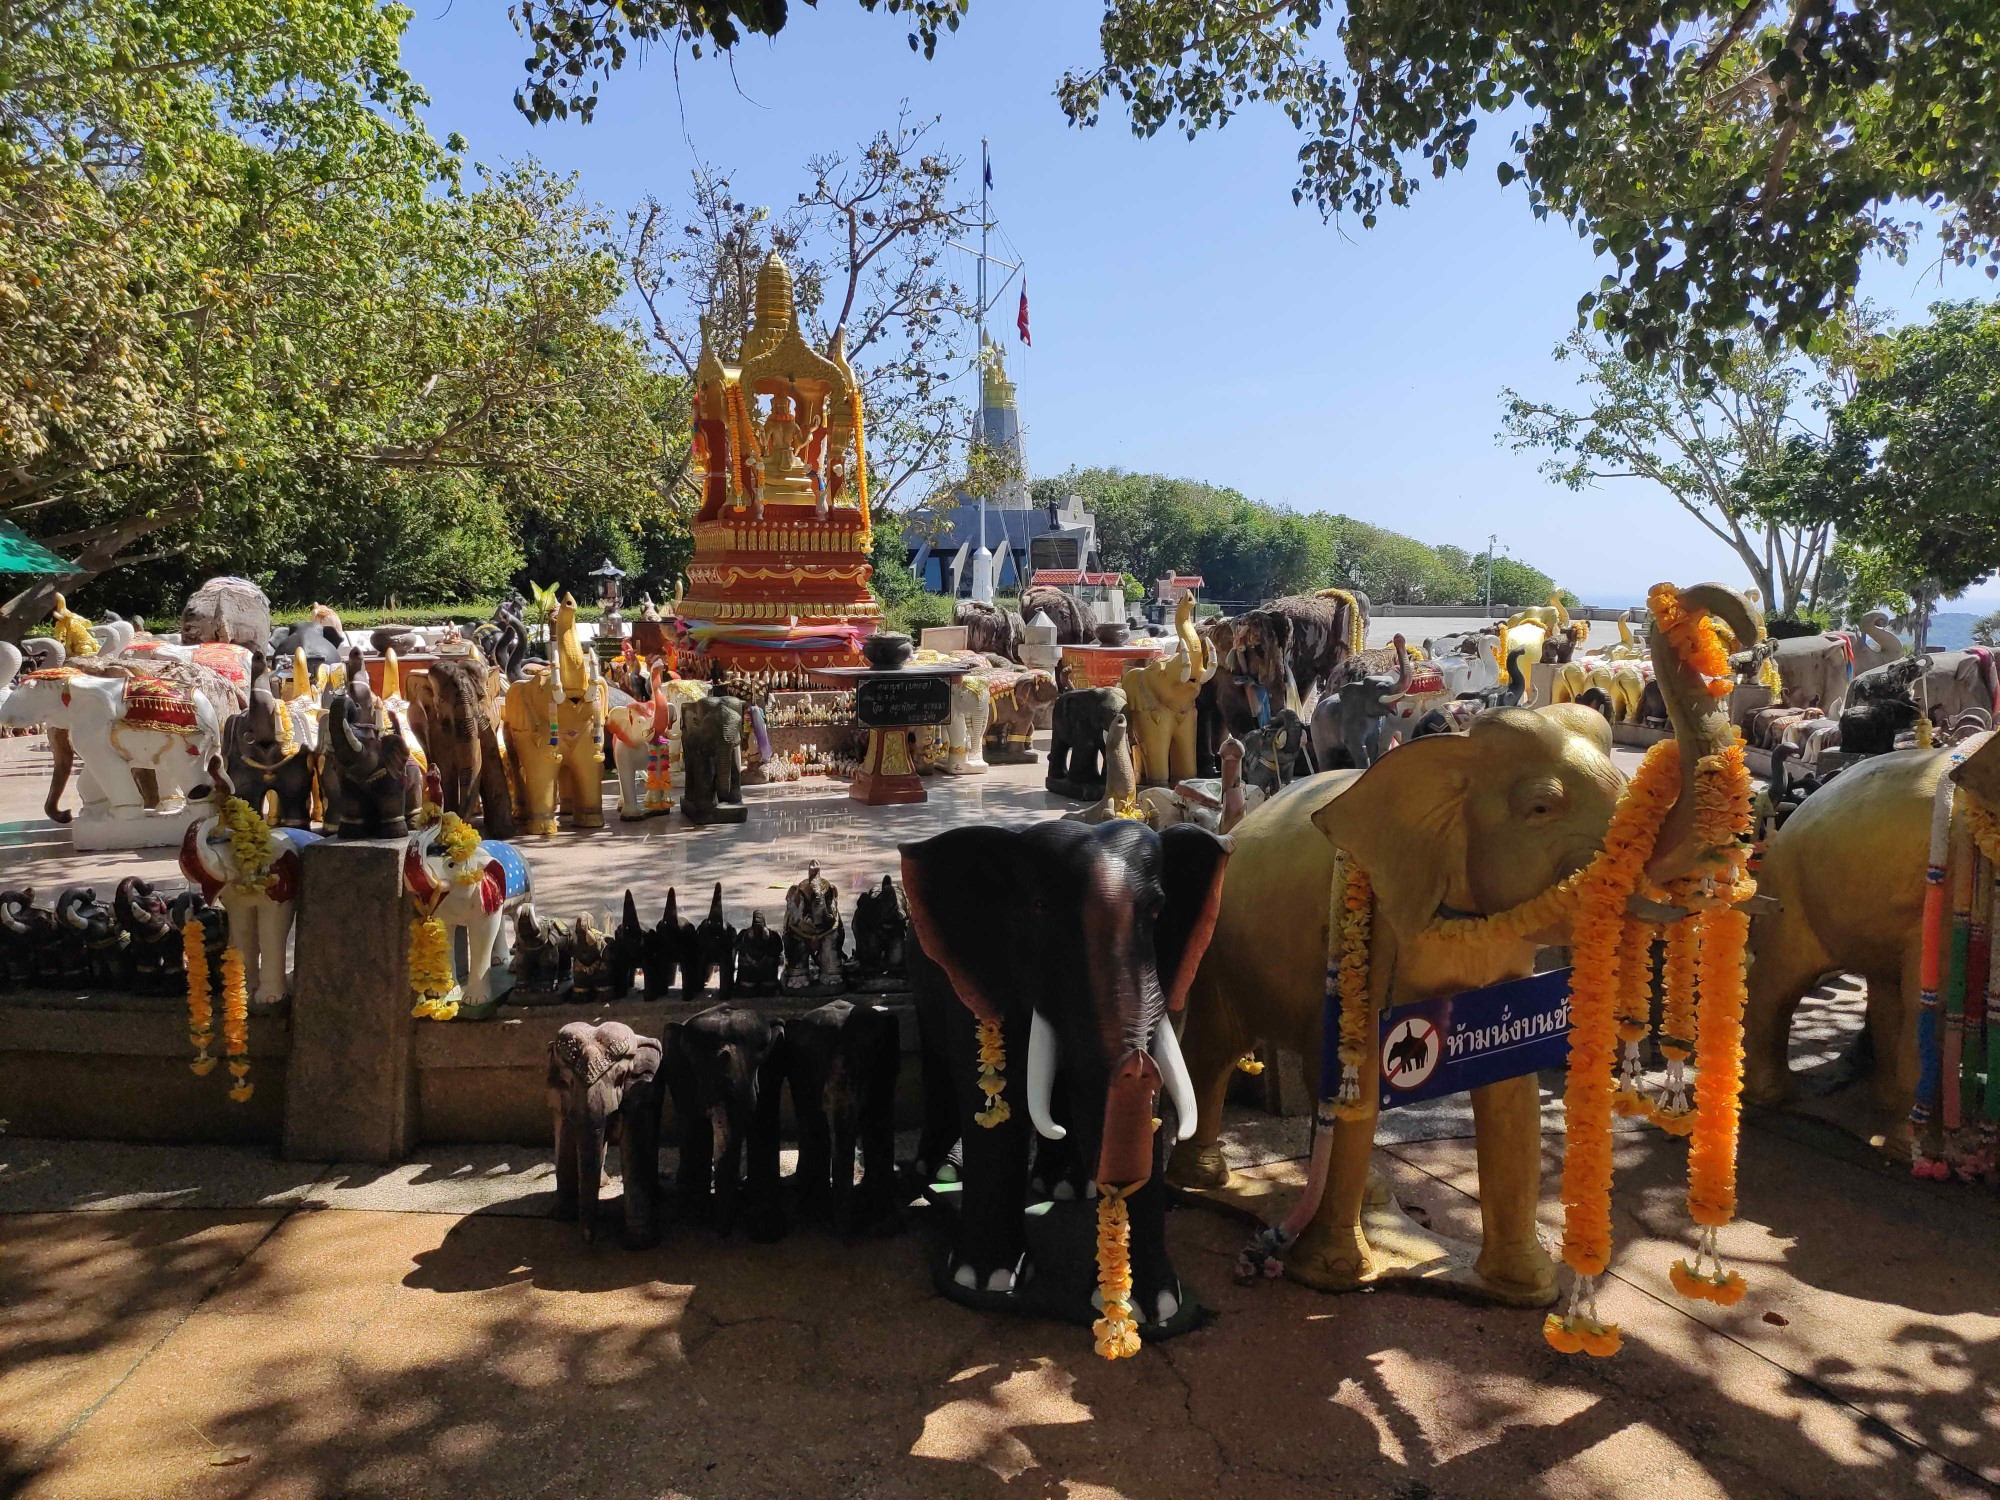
{"points": [[780, 573]]}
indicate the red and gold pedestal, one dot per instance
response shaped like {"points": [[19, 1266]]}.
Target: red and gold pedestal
{"points": [[887, 773], [787, 592]]}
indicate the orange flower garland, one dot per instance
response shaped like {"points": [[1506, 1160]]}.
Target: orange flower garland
{"points": [[1673, 1110], [992, 1076], [1586, 1181], [1635, 1012], [236, 1024], [200, 996], [1117, 1332], [1352, 905]]}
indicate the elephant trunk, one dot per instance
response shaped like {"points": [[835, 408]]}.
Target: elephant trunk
{"points": [[1700, 720], [1404, 676], [65, 754], [587, 1128], [1125, 1149]]}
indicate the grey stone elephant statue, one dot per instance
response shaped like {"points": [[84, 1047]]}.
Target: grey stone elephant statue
{"points": [[1347, 726], [711, 757], [1077, 727], [605, 1087]]}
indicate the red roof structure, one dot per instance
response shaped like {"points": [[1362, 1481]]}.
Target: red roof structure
{"points": [[1060, 576]]}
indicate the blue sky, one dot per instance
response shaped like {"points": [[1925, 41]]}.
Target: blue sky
{"points": [[1188, 318]]}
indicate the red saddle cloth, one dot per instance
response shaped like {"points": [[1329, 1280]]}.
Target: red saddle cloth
{"points": [[232, 663], [1425, 679], [153, 704]]}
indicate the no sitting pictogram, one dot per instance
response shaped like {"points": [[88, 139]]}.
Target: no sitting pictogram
{"points": [[1410, 1053]]}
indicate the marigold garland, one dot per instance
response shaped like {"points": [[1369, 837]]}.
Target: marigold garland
{"points": [[1635, 1013], [1353, 900], [200, 996], [457, 839], [1587, 1098], [1692, 636], [1553, 908], [1673, 1109], [249, 845], [1250, 1064], [1725, 934], [992, 1076], [236, 1024], [433, 976], [1117, 1332]]}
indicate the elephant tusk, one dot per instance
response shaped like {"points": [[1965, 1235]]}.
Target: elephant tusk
{"points": [[1166, 1050], [1042, 1077]]}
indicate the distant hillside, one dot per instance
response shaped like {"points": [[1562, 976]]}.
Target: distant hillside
{"points": [[1951, 632]]}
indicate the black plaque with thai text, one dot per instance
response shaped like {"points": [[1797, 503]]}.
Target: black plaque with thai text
{"points": [[901, 702]]}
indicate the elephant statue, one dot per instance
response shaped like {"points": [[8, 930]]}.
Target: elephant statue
{"points": [[1466, 663], [504, 639], [669, 950], [1292, 647], [1956, 682], [555, 731], [542, 949], [1847, 869], [153, 941], [1461, 825], [760, 953], [269, 750], [10, 668], [1217, 804], [881, 931], [589, 962], [725, 1074], [1160, 703], [319, 638], [1814, 669], [627, 950], [1071, 617], [965, 729], [814, 936], [453, 713], [641, 727], [605, 1087], [1272, 752], [1010, 728], [1078, 724], [1347, 726], [116, 725], [711, 955], [841, 1062], [989, 630], [1872, 643], [256, 898], [712, 758], [1072, 947], [93, 930], [377, 784], [27, 939], [1121, 780], [468, 882]]}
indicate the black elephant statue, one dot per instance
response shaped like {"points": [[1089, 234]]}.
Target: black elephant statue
{"points": [[627, 950], [1347, 725], [153, 943], [27, 939], [881, 933], [99, 946], [841, 1062], [321, 639], [669, 951], [711, 758], [1072, 945], [589, 962], [725, 1075], [1078, 722], [760, 953], [712, 954], [503, 640], [604, 1089], [379, 783], [1274, 753], [264, 750]]}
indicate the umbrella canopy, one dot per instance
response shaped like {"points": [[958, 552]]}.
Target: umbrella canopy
{"points": [[21, 553]]}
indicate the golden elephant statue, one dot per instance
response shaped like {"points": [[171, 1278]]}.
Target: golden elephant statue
{"points": [[1848, 871], [1447, 827], [555, 733], [1159, 703]]}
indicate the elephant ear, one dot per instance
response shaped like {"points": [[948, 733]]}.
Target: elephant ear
{"points": [[1192, 860], [961, 884], [1402, 819]]}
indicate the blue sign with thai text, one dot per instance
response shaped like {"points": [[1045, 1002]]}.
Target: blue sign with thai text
{"points": [[1457, 1042]]}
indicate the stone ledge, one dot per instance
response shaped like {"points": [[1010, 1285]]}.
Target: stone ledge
{"points": [[144, 1027]]}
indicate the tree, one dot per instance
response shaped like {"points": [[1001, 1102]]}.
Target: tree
{"points": [[1697, 439], [1735, 162], [865, 243]]}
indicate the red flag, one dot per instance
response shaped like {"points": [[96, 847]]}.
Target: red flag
{"points": [[1021, 321]]}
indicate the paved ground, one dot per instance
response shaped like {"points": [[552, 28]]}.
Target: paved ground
{"points": [[212, 1322]]}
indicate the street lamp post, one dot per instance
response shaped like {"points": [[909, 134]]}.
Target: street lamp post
{"points": [[1492, 541]]}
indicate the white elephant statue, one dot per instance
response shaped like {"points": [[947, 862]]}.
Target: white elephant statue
{"points": [[965, 730], [641, 753], [469, 882], [116, 725], [1468, 663], [258, 902], [10, 666]]}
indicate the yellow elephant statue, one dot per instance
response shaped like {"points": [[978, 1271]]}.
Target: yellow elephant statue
{"points": [[555, 733], [1159, 703], [1448, 827]]}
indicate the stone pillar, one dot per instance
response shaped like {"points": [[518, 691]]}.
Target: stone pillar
{"points": [[351, 1085]]}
